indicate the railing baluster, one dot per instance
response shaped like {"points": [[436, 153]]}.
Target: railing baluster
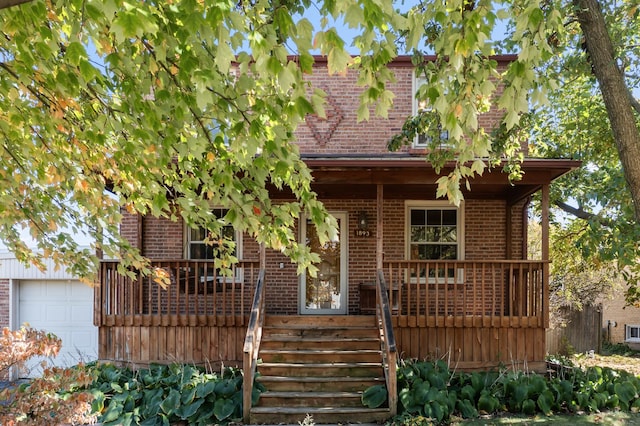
{"points": [[429, 292], [188, 301]]}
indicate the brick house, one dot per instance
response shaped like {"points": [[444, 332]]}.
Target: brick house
{"points": [[419, 276], [620, 323]]}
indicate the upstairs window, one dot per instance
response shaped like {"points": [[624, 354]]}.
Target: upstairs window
{"points": [[421, 106]]}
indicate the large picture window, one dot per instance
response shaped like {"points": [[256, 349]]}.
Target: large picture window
{"points": [[435, 231]]}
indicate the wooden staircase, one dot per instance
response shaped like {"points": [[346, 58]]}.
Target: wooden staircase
{"points": [[318, 365]]}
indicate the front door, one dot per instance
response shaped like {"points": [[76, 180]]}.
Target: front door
{"points": [[327, 292]]}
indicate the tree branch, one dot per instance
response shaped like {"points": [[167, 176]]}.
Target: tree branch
{"points": [[582, 214], [4, 4]]}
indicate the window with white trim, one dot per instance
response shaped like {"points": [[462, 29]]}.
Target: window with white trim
{"points": [[421, 106], [632, 333], [435, 231], [198, 246]]}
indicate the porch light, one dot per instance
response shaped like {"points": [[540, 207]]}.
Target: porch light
{"points": [[363, 221]]}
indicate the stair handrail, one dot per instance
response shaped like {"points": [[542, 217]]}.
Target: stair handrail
{"points": [[388, 340], [252, 345]]}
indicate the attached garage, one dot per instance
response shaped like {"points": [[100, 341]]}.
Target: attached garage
{"points": [[64, 308]]}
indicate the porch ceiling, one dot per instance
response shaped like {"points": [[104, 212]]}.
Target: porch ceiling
{"points": [[411, 177]]}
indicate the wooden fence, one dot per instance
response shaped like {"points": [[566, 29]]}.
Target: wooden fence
{"points": [[581, 331]]}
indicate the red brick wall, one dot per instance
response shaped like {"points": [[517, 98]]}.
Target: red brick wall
{"points": [[485, 220], [4, 303], [347, 136], [163, 239], [129, 228]]}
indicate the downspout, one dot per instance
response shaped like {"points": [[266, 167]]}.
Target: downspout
{"points": [[141, 234], [379, 227], [525, 229], [508, 232]]}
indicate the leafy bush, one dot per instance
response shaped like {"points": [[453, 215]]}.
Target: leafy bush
{"points": [[166, 394], [619, 349], [430, 390], [54, 397]]}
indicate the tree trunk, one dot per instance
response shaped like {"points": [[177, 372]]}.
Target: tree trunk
{"points": [[616, 95]]}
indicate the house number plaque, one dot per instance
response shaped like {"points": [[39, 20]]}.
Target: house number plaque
{"points": [[362, 233]]}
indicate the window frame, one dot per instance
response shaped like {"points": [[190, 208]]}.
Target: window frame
{"points": [[417, 81], [627, 333], [410, 205], [237, 239]]}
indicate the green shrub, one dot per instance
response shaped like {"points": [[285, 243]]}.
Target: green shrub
{"points": [[428, 390], [619, 349], [165, 394]]}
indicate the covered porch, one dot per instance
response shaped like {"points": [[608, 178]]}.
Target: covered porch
{"points": [[480, 314], [485, 309]]}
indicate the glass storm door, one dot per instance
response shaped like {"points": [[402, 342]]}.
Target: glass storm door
{"points": [[327, 292]]}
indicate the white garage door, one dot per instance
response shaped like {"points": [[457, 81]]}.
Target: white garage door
{"points": [[64, 308]]}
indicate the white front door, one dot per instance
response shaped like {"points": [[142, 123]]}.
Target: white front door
{"points": [[327, 292]]}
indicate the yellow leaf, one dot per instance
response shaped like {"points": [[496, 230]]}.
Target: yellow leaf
{"points": [[52, 175], [457, 110], [81, 185]]}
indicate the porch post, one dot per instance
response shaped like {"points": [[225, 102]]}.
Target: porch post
{"points": [[545, 252], [379, 230]]}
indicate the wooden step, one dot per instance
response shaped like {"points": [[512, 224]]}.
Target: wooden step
{"points": [[334, 369], [310, 399], [319, 384], [311, 356], [303, 332], [320, 415], [321, 320], [325, 342], [318, 365]]}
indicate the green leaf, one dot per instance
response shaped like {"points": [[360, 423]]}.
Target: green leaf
{"points": [[545, 402], [223, 408], [75, 52], [520, 393], [467, 409], [188, 410], [171, 402], [374, 396], [127, 24], [113, 413], [225, 388], [626, 391], [528, 407], [488, 403], [205, 389]]}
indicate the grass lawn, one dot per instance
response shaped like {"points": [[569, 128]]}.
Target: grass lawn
{"points": [[613, 418]]}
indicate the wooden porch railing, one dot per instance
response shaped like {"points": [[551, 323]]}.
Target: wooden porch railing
{"points": [[197, 295], [252, 346], [467, 293], [388, 342]]}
